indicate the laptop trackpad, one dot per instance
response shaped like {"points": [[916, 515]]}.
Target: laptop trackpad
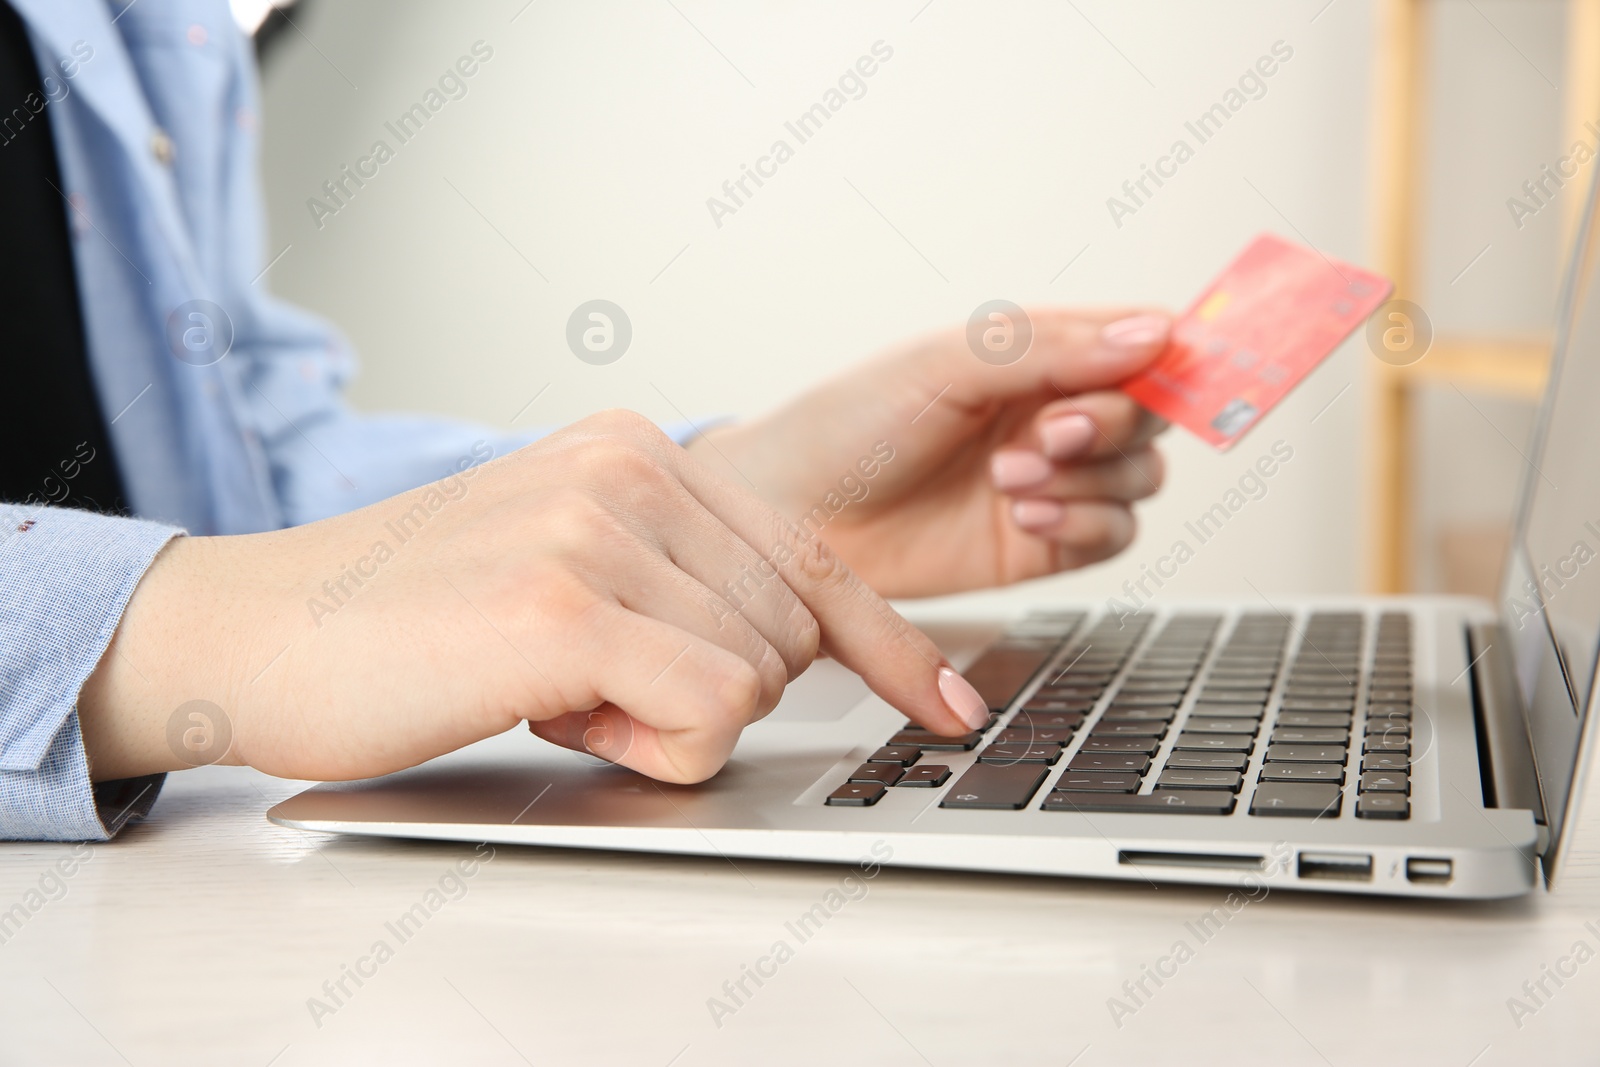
{"points": [[826, 692]]}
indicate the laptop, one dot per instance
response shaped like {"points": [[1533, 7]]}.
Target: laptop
{"points": [[1416, 746]]}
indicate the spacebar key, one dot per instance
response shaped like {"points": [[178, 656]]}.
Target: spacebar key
{"points": [[996, 785], [1166, 802]]}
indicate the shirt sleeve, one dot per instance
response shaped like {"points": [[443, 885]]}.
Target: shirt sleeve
{"points": [[65, 578], [323, 457]]}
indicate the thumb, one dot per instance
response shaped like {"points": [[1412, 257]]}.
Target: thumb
{"points": [[1052, 349]]}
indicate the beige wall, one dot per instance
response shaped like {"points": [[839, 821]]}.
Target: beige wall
{"points": [[991, 140]]}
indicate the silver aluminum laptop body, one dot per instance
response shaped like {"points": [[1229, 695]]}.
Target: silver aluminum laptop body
{"points": [[1501, 731]]}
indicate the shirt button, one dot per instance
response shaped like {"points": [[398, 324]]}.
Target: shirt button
{"points": [[162, 148]]}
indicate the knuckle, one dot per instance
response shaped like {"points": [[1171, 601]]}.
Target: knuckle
{"points": [[804, 638], [1095, 526], [1124, 527], [818, 563], [737, 693], [691, 763], [584, 520], [1145, 474], [774, 675], [633, 466], [616, 460], [623, 423]]}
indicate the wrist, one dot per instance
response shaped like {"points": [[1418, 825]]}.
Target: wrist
{"points": [[761, 456], [164, 693]]}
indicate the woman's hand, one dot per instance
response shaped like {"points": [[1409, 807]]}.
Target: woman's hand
{"points": [[994, 473], [582, 584]]}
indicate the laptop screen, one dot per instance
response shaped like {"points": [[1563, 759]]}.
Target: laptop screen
{"points": [[1550, 604]]}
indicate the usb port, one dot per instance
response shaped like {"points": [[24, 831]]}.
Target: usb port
{"points": [[1429, 871], [1337, 866]]}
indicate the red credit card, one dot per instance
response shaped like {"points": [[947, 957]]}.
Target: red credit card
{"points": [[1272, 315]]}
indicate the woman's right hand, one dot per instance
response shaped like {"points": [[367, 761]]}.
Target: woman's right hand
{"points": [[601, 585]]}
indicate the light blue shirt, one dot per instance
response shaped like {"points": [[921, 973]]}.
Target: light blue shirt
{"points": [[155, 130]]}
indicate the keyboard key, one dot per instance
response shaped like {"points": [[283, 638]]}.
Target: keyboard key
{"points": [[1098, 781], [1045, 720], [1109, 761], [1383, 806], [1000, 673], [904, 755], [1387, 742], [1166, 802], [1389, 727], [1385, 782], [1306, 754], [929, 739], [1144, 745], [856, 795], [1255, 687], [1302, 772], [1028, 735], [1299, 735], [1133, 729], [1385, 761], [1319, 704], [1315, 673], [1390, 696], [1242, 677], [1218, 695], [1035, 704], [1186, 779], [882, 773], [1157, 680], [1194, 742], [995, 786], [1067, 691], [1316, 692], [1389, 711], [1078, 674], [1229, 711], [1167, 699], [1207, 761], [1116, 714], [1296, 799], [1222, 726], [1075, 695], [1314, 719], [1046, 754], [928, 775]]}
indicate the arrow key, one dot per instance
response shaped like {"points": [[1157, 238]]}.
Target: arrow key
{"points": [[1385, 782], [856, 795]]}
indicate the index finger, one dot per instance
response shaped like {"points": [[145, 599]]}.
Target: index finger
{"points": [[859, 629]]}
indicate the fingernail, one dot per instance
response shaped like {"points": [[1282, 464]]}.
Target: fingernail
{"points": [[1066, 435], [1037, 514], [1014, 469], [1135, 331], [961, 698]]}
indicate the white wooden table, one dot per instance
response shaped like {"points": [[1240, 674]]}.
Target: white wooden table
{"points": [[205, 935]]}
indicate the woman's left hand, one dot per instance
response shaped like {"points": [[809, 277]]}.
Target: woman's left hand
{"points": [[931, 470]]}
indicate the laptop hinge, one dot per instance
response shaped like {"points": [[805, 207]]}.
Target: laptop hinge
{"points": [[1510, 777]]}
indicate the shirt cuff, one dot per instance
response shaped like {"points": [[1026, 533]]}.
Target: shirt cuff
{"points": [[65, 578]]}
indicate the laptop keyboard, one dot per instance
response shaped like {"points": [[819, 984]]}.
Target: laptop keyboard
{"points": [[1189, 726]]}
